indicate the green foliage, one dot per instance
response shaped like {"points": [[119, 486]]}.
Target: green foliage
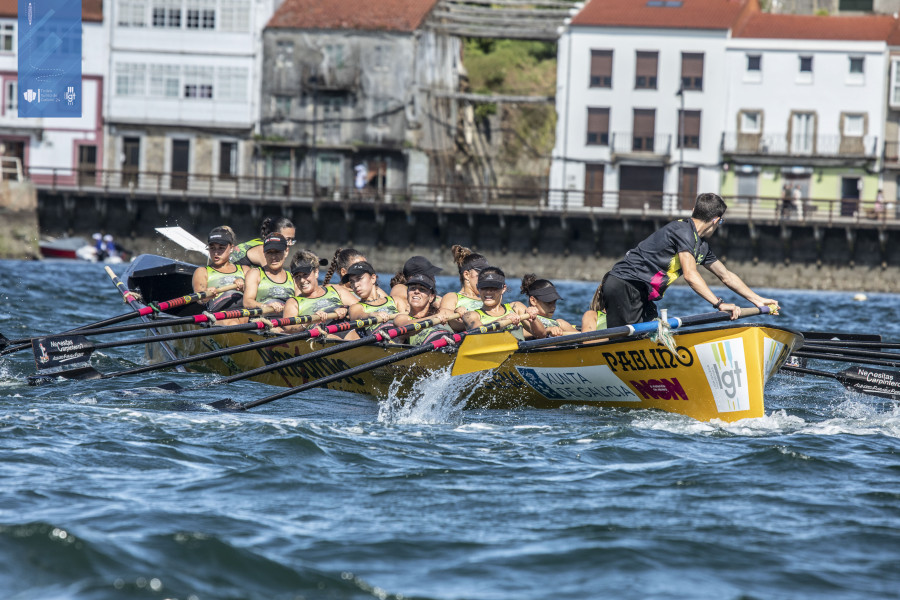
{"points": [[511, 66]]}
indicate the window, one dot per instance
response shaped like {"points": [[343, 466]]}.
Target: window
{"points": [[234, 15], [231, 84], [284, 55], [690, 135], [747, 186], [382, 56], [805, 72], [856, 74], [198, 82], [598, 127], [643, 130], [228, 160], [645, 70], [130, 79], [282, 106], [11, 98], [7, 38], [803, 131], [754, 68], [132, 13], [335, 55], [601, 68], [193, 18], [856, 5], [691, 71], [165, 80], [854, 125], [380, 109], [895, 83], [751, 122]]}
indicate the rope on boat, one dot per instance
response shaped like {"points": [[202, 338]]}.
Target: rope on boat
{"points": [[663, 335]]}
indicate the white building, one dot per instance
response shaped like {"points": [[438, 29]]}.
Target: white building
{"points": [[806, 109], [66, 148], [185, 82], [631, 75]]}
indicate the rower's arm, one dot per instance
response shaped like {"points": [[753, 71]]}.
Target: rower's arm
{"points": [[251, 286], [694, 279], [737, 285], [199, 281]]}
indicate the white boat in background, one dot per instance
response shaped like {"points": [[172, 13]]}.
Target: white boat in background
{"points": [[78, 248]]}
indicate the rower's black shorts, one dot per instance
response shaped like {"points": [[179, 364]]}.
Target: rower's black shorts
{"points": [[626, 302]]}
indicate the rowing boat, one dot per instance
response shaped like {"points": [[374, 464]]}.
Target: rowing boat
{"points": [[716, 372]]}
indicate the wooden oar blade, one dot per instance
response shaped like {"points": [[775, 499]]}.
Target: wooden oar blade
{"points": [[484, 352], [61, 351]]}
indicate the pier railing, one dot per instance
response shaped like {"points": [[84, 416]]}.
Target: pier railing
{"points": [[192, 187]]}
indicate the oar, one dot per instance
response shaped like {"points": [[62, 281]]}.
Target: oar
{"points": [[24, 343], [835, 336], [55, 351], [184, 239], [231, 405], [875, 382], [850, 345], [845, 358], [853, 352], [88, 372], [491, 351]]}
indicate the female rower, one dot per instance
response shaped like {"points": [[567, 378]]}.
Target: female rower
{"points": [[310, 298], [220, 273], [250, 254], [491, 287], [470, 264], [343, 259], [595, 318], [542, 295], [270, 284], [417, 265], [362, 278], [420, 294]]}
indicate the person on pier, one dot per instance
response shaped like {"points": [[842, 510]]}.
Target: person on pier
{"points": [[491, 287], [470, 264], [420, 298], [250, 253], [542, 295], [417, 265], [309, 297], [362, 278], [270, 284], [639, 280]]}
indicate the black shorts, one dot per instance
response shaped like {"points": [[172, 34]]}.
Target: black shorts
{"points": [[627, 303]]}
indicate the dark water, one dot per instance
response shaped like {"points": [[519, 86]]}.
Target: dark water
{"points": [[115, 494]]}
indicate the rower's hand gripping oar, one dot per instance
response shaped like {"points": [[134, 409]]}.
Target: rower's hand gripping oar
{"points": [[9, 346], [483, 353], [230, 405], [88, 372]]}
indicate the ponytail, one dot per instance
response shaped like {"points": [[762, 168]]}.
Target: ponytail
{"points": [[527, 282]]}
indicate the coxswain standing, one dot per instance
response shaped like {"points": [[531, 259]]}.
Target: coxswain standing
{"points": [[491, 287], [542, 295], [362, 278], [220, 273], [270, 284], [250, 253], [309, 297], [639, 280]]}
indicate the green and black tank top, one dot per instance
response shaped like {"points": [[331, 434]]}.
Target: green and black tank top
{"points": [[229, 300], [272, 291], [239, 254], [387, 306], [329, 300], [487, 319], [467, 302]]}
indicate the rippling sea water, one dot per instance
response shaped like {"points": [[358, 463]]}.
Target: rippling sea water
{"points": [[114, 490]]}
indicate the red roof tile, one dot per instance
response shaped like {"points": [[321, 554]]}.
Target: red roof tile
{"points": [[369, 15], [91, 10], [811, 27], [690, 14]]}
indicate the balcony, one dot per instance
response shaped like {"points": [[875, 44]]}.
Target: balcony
{"points": [[773, 147], [630, 145]]}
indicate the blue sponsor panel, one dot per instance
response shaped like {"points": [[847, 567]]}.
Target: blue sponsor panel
{"points": [[594, 384], [49, 58]]}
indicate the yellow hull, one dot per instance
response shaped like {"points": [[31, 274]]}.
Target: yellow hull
{"points": [[717, 373]]}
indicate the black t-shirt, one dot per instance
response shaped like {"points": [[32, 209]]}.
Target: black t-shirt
{"points": [[655, 261]]}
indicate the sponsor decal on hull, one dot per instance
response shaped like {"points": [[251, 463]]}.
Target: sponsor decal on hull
{"points": [[660, 389], [726, 371], [773, 351], [594, 384]]}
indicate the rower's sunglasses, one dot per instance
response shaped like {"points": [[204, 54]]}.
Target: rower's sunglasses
{"points": [[290, 241], [721, 220]]}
